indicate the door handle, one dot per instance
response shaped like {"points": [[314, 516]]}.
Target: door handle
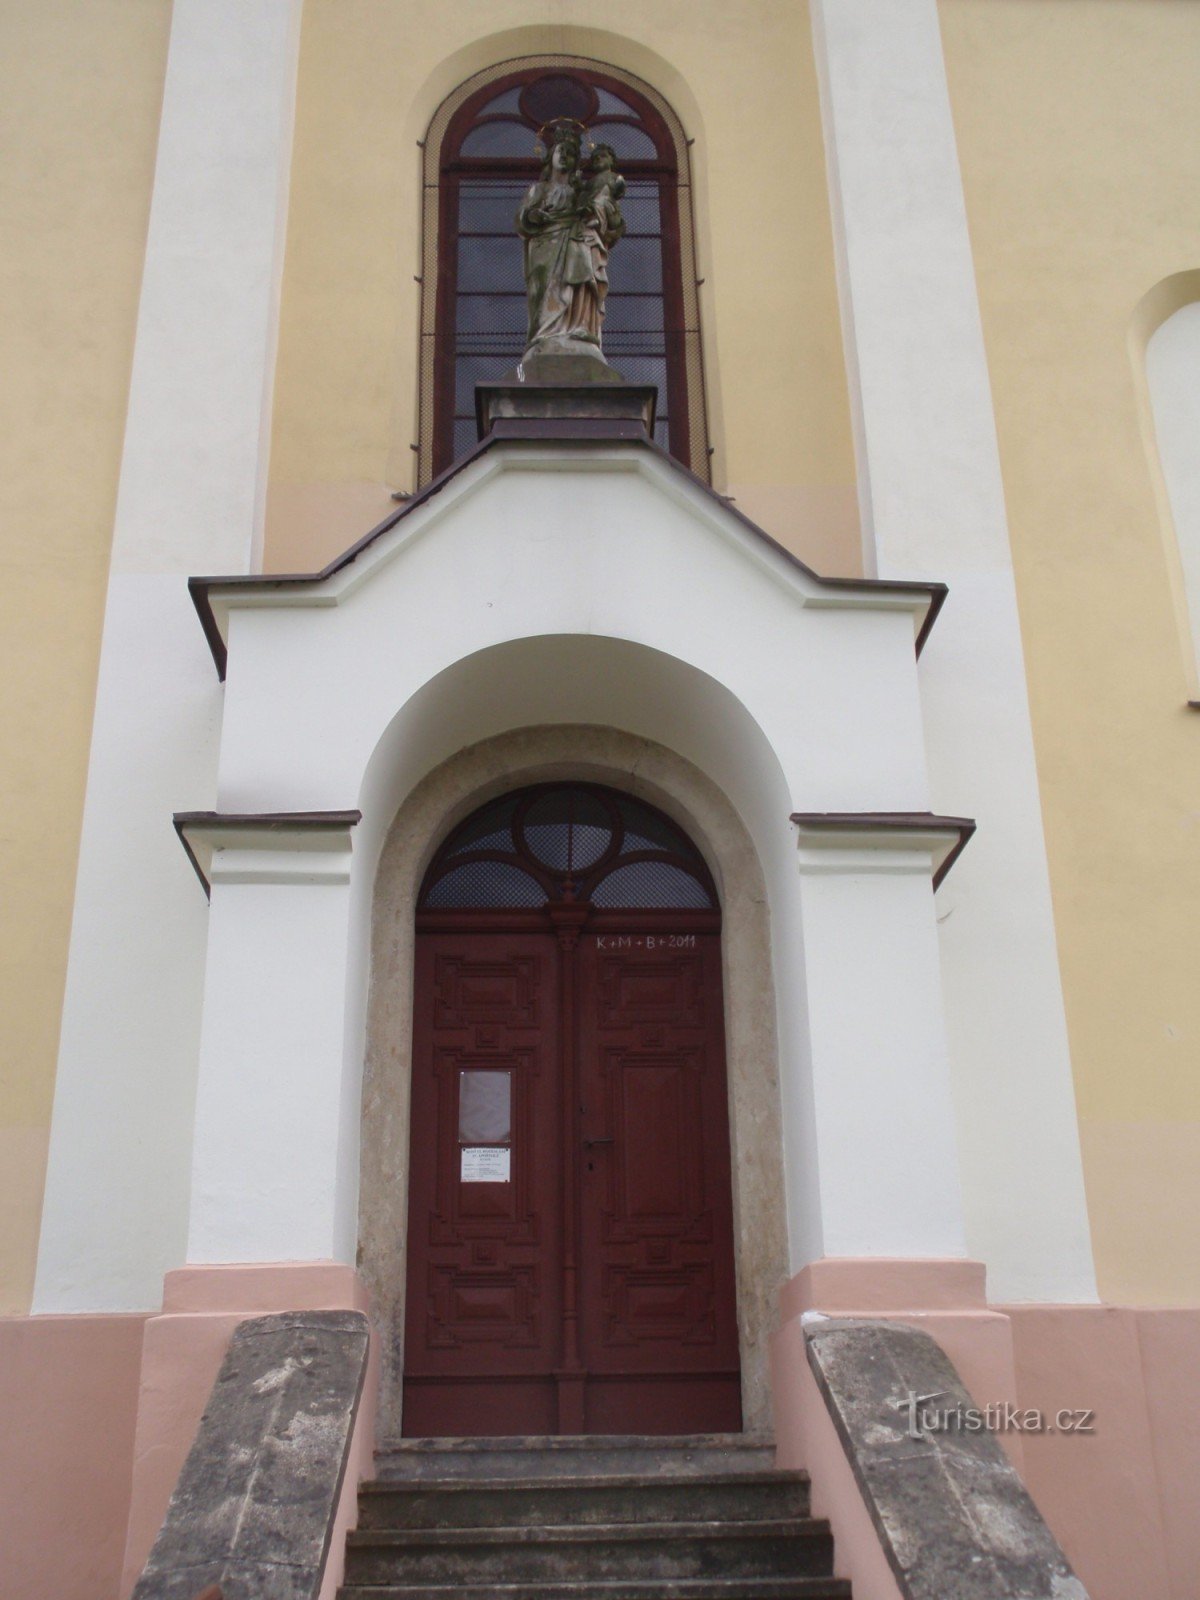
{"points": [[590, 1142]]}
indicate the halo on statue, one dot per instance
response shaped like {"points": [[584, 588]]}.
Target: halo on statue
{"points": [[560, 128]]}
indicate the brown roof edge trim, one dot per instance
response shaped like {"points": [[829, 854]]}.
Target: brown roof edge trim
{"points": [[937, 599], [270, 821], [181, 834], [201, 587], [198, 589], [894, 821], [937, 592]]}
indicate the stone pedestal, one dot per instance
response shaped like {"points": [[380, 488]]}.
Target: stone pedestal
{"points": [[549, 394]]}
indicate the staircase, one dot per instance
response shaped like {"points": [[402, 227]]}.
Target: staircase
{"points": [[600, 1518]]}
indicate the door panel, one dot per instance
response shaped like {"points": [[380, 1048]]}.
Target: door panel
{"points": [[595, 1287], [484, 1283], [658, 1313]]}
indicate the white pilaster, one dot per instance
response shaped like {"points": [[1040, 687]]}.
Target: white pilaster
{"points": [[189, 500], [269, 1152], [932, 506], [194, 468], [887, 1148]]}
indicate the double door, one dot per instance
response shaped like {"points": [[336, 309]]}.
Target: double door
{"points": [[570, 1243]]}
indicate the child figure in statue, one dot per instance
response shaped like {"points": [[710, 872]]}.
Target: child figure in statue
{"points": [[605, 191]]}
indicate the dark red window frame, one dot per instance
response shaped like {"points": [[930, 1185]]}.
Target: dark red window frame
{"points": [[504, 819], [454, 167]]}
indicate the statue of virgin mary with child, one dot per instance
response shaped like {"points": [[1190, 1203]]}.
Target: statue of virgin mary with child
{"points": [[570, 219]]}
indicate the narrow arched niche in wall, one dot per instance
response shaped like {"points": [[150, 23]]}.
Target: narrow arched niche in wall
{"points": [[480, 156], [437, 805], [1167, 350]]}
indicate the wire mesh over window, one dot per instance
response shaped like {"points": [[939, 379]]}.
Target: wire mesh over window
{"points": [[650, 886], [567, 829], [480, 157], [485, 883], [568, 842]]}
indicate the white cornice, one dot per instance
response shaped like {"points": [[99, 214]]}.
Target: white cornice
{"points": [[880, 842], [274, 847]]}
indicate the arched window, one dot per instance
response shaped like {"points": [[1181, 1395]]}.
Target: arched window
{"points": [[480, 156], [558, 843]]}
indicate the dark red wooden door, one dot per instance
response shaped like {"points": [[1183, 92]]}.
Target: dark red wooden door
{"points": [[570, 1235], [484, 1303], [658, 1317], [571, 1259]]}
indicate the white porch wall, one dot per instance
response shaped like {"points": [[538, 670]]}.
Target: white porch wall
{"points": [[268, 1104], [621, 598], [190, 499], [529, 542], [932, 506], [606, 682]]}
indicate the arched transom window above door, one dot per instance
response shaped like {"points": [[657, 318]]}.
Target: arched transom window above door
{"points": [[480, 156], [556, 843]]}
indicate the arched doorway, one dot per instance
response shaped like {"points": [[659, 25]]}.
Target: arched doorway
{"points": [[570, 1260]]}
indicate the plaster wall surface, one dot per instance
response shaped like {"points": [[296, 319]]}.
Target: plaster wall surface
{"points": [[190, 493], [115, 1210], [1120, 1498], [867, 1097], [79, 107], [266, 1084], [1172, 357], [447, 630], [1075, 496], [68, 1396], [574, 541], [371, 77], [932, 502], [1078, 131]]}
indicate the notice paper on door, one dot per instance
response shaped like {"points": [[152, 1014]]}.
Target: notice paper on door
{"points": [[484, 1164]]}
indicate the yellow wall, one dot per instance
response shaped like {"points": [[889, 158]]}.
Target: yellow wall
{"points": [[1079, 136], [741, 78], [80, 91]]}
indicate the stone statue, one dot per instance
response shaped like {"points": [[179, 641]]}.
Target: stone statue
{"points": [[569, 221]]}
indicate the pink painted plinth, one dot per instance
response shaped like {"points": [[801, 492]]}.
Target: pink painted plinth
{"points": [[68, 1398], [182, 1351], [947, 1299], [1120, 1500]]}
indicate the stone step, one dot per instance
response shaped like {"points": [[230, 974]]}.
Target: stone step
{"points": [[575, 1456], [498, 1502], [812, 1588], [624, 1552]]}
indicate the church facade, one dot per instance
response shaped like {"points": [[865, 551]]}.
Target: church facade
{"points": [[595, 883]]}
